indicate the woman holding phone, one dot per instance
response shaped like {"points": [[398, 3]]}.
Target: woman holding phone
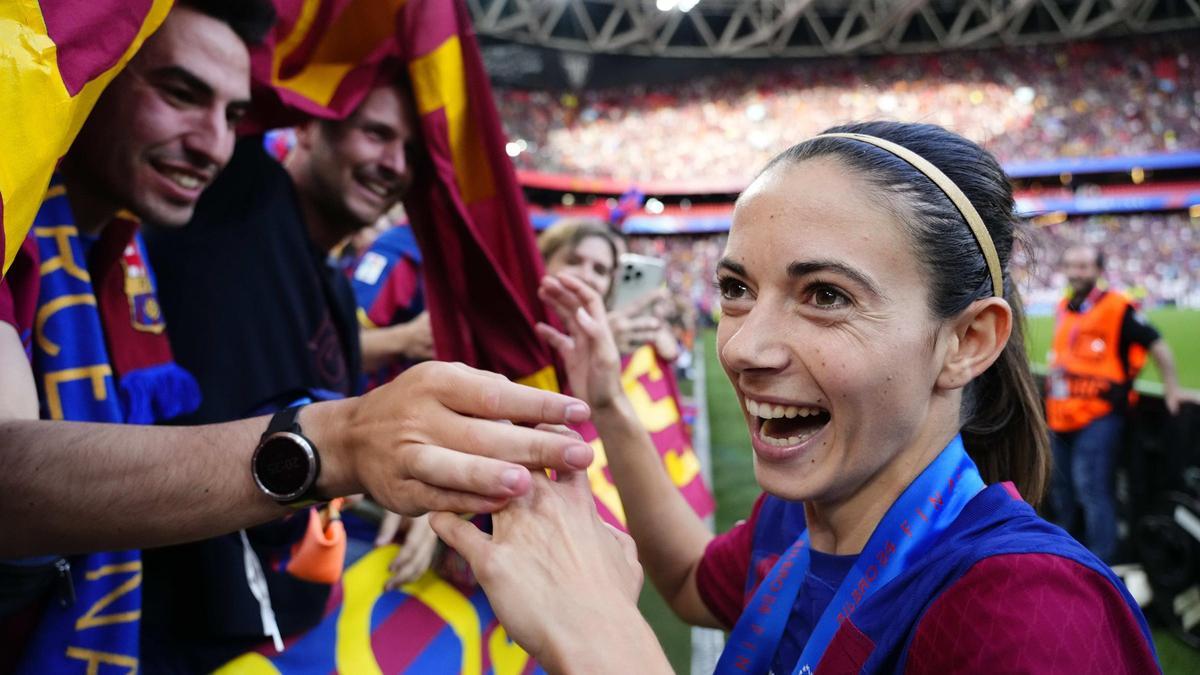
{"points": [[593, 252], [873, 336]]}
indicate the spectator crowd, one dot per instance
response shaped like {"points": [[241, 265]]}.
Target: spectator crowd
{"points": [[1081, 99], [1154, 257]]}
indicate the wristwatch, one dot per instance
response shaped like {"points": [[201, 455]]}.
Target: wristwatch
{"points": [[286, 464]]}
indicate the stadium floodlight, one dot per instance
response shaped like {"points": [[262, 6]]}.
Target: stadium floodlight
{"points": [[654, 206], [681, 5]]}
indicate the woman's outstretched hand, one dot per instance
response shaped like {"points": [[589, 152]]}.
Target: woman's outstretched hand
{"points": [[563, 582], [588, 349]]}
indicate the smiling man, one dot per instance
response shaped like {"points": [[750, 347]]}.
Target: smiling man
{"points": [[164, 130], [257, 254], [348, 173], [84, 300]]}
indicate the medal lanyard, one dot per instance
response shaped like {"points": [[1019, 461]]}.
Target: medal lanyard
{"points": [[926, 508]]}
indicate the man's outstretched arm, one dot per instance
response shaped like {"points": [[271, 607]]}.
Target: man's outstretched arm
{"points": [[1165, 360], [436, 438]]}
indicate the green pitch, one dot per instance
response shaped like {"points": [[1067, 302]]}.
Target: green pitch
{"points": [[1180, 328]]}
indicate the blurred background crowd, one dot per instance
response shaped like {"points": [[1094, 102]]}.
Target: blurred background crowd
{"points": [[1067, 100]]}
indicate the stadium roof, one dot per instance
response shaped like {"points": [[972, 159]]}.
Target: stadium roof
{"points": [[812, 28]]}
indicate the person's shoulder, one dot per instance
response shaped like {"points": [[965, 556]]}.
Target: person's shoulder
{"points": [[1118, 298], [1035, 611], [250, 154], [251, 176], [722, 572], [252, 204], [1004, 576], [398, 242]]}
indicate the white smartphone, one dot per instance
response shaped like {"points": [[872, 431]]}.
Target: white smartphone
{"points": [[637, 275]]}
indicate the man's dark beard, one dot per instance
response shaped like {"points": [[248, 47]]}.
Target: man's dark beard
{"points": [[1080, 293]]}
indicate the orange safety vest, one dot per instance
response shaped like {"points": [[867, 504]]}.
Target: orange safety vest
{"points": [[1087, 374]]}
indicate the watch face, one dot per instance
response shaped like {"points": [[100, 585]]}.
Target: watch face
{"points": [[285, 465]]}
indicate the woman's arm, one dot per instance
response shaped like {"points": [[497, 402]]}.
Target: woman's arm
{"points": [[381, 346], [670, 538]]}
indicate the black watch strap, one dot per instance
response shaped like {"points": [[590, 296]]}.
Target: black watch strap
{"points": [[288, 420]]}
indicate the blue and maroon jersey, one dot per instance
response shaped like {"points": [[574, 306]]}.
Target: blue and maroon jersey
{"points": [[1002, 589], [389, 288], [387, 278]]}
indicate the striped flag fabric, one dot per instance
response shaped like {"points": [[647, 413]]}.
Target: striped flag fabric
{"points": [[652, 389], [427, 626], [481, 260], [482, 264], [56, 57]]}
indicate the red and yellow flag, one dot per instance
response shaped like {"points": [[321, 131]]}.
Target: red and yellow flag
{"points": [[481, 260], [56, 56], [322, 57], [482, 264], [650, 384]]}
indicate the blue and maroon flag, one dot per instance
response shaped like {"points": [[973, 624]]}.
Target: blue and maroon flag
{"points": [[428, 626], [482, 264], [481, 261], [56, 56]]}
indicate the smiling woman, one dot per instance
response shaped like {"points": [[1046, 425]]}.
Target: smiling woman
{"points": [[874, 339], [586, 248]]}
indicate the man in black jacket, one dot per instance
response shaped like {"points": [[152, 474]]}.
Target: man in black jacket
{"points": [[263, 317]]}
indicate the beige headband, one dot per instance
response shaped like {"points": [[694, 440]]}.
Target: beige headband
{"points": [[952, 191]]}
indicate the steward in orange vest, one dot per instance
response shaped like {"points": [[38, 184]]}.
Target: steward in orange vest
{"points": [[1092, 367]]}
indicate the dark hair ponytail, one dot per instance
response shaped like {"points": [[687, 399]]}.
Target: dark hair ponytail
{"points": [[1003, 423]]}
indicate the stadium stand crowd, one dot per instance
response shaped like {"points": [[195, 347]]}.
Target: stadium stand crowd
{"points": [[1155, 257], [1079, 99]]}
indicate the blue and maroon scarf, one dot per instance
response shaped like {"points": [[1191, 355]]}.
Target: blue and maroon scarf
{"points": [[100, 354]]}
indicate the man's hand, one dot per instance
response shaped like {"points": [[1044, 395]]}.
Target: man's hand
{"points": [[439, 437], [1173, 398], [414, 339], [416, 552]]}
